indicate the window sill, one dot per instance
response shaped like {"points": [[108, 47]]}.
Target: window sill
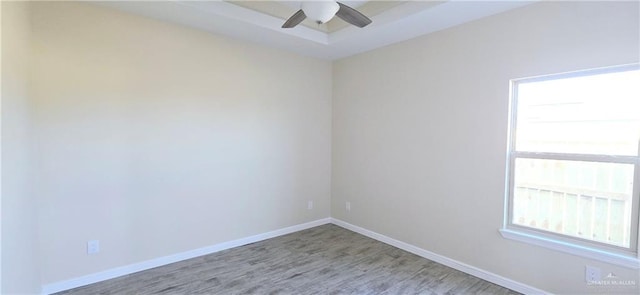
{"points": [[604, 256]]}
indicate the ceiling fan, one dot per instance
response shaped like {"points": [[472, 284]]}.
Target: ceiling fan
{"points": [[324, 11]]}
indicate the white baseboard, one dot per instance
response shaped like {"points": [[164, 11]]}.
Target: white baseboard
{"points": [[472, 270], [136, 267]]}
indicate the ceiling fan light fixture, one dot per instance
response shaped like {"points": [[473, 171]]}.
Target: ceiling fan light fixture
{"points": [[320, 11], [324, 11]]}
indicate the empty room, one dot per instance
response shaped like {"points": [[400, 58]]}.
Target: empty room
{"points": [[320, 147]]}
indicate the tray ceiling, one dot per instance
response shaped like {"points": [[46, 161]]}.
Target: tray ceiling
{"points": [[260, 21]]}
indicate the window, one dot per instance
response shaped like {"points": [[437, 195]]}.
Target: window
{"points": [[574, 160]]}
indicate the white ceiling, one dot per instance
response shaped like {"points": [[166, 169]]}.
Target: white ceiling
{"points": [[398, 23]]}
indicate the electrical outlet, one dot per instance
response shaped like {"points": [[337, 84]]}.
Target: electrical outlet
{"points": [[592, 273], [93, 247], [310, 205], [348, 206]]}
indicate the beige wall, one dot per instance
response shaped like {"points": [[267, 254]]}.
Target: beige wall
{"points": [[19, 242], [157, 139], [419, 132]]}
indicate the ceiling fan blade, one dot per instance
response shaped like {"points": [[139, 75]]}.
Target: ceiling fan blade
{"points": [[295, 19], [352, 16]]}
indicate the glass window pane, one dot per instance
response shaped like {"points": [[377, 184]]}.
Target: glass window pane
{"points": [[582, 208], [596, 114], [584, 217], [557, 212], [601, 222], [544, 206], [617, 226], [571, 215], [622, 181]]}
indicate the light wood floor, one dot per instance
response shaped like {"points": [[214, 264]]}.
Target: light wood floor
{"points": [[322, 260]]}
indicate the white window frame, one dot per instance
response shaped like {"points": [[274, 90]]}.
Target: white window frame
{"points": [[628, 257]]}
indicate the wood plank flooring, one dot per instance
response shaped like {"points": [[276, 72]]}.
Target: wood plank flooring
{"points": [[322, 260]]}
